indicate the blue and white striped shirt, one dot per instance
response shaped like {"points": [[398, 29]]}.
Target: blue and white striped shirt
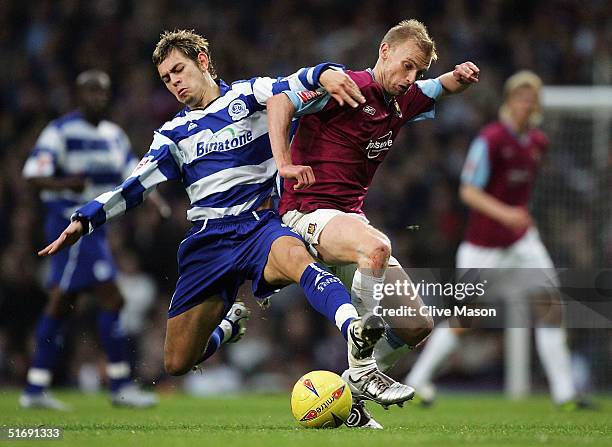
{"points": [[221, 153], [72, 146]]}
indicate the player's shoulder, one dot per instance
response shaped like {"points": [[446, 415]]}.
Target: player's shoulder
{"points": [[177, 120], [362, 78], [66, 120], [494, 132], [111, 127]]}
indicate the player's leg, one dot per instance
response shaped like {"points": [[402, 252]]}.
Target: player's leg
{"points": [[188, 333], [403, 333], [203, 314], [289, 261], [116, 346], [373, 246], [340, 238], [112, 336], [348, 239], [542, 283], [195, 332], [49, 340], [445, 339], [439, 346]]}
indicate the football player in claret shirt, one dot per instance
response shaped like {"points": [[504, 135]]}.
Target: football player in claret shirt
{"points": [[331, 162], [496, 184]]}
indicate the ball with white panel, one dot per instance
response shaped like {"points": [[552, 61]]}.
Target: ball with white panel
{"points": [[321, 399]]}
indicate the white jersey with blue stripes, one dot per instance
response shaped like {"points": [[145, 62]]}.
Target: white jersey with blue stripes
{"points": [[70, 146], [221, 153]]}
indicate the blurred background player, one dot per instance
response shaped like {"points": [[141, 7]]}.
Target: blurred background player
{"points": [[219, 148], [77, 157], [332, 161], [496, 184]]}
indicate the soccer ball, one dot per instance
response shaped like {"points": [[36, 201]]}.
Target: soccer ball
{"points": [[321, 399]]}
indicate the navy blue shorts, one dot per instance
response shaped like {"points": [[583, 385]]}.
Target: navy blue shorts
{"points": [[85, 264], [218, 255]]}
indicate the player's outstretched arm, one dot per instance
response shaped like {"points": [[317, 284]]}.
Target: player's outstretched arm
{"points": [[460, 78], [69, 236], [280, 113]]}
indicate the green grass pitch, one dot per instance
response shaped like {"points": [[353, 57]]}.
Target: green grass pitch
{"points": [[265, 420]]}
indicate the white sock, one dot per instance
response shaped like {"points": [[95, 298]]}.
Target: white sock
{"points": [[226, 327], [362, 291], [555, 357], [441, 343], [387, 355], [343, 313]]}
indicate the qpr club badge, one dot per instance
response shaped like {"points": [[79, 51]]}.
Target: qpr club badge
{"points": [[237, 109]]}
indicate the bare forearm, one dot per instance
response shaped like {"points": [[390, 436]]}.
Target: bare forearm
{"points": [[280, 113], [450, 84], [464, 75]]}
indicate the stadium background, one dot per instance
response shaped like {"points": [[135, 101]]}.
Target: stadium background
{"points": [[45, 44]]}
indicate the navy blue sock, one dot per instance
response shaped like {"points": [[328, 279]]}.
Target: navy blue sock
{"points": [[327, 295], [214, 342], [115, 345], [49, 339]]}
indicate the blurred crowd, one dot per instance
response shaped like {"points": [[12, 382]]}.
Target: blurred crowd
{"points": [[45, 44]]}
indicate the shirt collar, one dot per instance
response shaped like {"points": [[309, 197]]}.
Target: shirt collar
{"points": [[388, 98]]}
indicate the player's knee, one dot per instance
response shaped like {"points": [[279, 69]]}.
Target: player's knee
{"points": [[379, 253], [298, 259], [111, 300], [116, 303], [59, 306], [177, 366], [299, 254]]}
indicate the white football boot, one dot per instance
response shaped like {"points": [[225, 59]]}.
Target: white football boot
{"points": [[359, 417], [131, 395], [43, 400], [237, 317]]}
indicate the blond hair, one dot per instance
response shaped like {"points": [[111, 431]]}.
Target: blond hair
{"points": [[415, 30], [187, 42], [520, 80]]}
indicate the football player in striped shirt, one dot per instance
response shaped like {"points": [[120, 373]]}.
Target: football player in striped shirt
{"points": [[77, 157], [218, 147]]}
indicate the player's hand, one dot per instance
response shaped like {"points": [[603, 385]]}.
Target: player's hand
{"points": [[517, 219], [303, 175], [466, 73], [342, 88], [161, 205], [164, 210], [69, 236]]}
